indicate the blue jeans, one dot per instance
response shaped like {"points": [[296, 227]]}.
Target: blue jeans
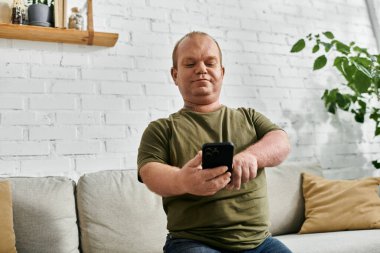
{"points": [[177, 245]]}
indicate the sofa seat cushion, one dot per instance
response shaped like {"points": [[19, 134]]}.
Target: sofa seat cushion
{"points": [[119, 214], [44, 215], [358, 241], [286, 203]]}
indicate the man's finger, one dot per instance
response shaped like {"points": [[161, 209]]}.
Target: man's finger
{"points": [[196, 161], [236, 177], [215, 172]]}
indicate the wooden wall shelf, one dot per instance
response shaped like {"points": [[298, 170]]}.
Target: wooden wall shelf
{"points": [[50, 34]]}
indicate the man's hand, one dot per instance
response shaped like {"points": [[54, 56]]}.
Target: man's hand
{"points": [[166, 180], [244, 169], [269, 151], [202, 182]]}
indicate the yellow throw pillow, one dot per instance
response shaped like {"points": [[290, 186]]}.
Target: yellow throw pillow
{"points": [[7, 235], [334, 205]]}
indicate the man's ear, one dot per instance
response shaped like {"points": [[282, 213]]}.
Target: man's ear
{"points": [[174, 72]]}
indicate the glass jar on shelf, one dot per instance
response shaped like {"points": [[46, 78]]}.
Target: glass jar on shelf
{"points": [[76, 20], [18, 12]]}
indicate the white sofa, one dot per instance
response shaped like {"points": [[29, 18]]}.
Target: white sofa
{"points": [[111, 212]]}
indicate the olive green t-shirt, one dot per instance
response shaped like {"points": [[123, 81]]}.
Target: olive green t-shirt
{"points": [[233, 220]]}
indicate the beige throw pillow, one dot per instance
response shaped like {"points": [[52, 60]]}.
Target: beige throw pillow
{"points": [[334, 205], [7, 235]]}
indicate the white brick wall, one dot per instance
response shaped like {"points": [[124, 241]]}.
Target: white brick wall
{"points": [[70, 109]]}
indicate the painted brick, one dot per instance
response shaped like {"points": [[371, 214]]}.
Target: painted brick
{"points": [[78, 147], [132, 25], [52, 133], [56, 102], [46, 167], [192, 18], [150, 38], [9, 168], [13, 70], [112, 62], [24, 148], [75, 60], [26, 118], [122, 146], [160, 27], [22, 86], [103, 132], [150, 103], [14, 56], [102, 74], [126, 118], [147, 76], [97, 164], [103, 103], [123, 88], [239, 91], [148, 13], [54, 72], [12, 102], [161, 64], [162, 90], [169, 4], [128, 50], [11, 133], [79, 118], [74, 87], [224, 22]]}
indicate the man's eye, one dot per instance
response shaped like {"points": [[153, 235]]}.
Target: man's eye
{"points": [[189, 65], [210, 64]]}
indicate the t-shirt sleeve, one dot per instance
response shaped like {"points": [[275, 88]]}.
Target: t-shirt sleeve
{"points": [[262, 124], [154, 144]]}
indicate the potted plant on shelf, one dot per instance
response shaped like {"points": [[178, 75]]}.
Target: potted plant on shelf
{"points": [[360, 94], [39, 13]]}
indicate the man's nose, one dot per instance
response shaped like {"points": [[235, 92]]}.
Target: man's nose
{"points": [[201, 68]]}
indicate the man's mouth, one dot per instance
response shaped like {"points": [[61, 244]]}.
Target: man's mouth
{"points": [[202, 79]]}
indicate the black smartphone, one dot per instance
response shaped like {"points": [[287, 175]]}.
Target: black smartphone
{"points": [[217, 154]]}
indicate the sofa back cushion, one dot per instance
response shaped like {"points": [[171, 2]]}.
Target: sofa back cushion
{"points": [[119, 214], [286, 203], [45, 215], [7, 234]]}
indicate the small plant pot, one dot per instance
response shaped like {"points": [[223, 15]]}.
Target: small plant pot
{"points": [[39, 14]]}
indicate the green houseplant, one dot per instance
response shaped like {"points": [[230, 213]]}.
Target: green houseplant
{"points": [[360, 94]]}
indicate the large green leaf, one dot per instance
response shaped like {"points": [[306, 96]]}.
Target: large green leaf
{"points": [[298, 46], [327, 46], [329, 96], [315, 48], [376, 164], [343, 65], [363, 66], [362, 82], [341, 47], [343, 101], [329, 35], [320, 62]]}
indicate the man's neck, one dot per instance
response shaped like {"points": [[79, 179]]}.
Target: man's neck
{"points": [[203, 108]]}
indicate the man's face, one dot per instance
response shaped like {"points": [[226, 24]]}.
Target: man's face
{"points": [[199, 73]]}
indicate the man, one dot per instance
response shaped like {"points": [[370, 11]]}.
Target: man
{"points": [[210, 210]]}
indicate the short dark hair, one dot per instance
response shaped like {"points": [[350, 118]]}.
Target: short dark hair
{"points": [[189, 35]]}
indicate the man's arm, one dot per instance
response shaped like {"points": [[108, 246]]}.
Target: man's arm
{"points": [[166, 180], [269, 151]]}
